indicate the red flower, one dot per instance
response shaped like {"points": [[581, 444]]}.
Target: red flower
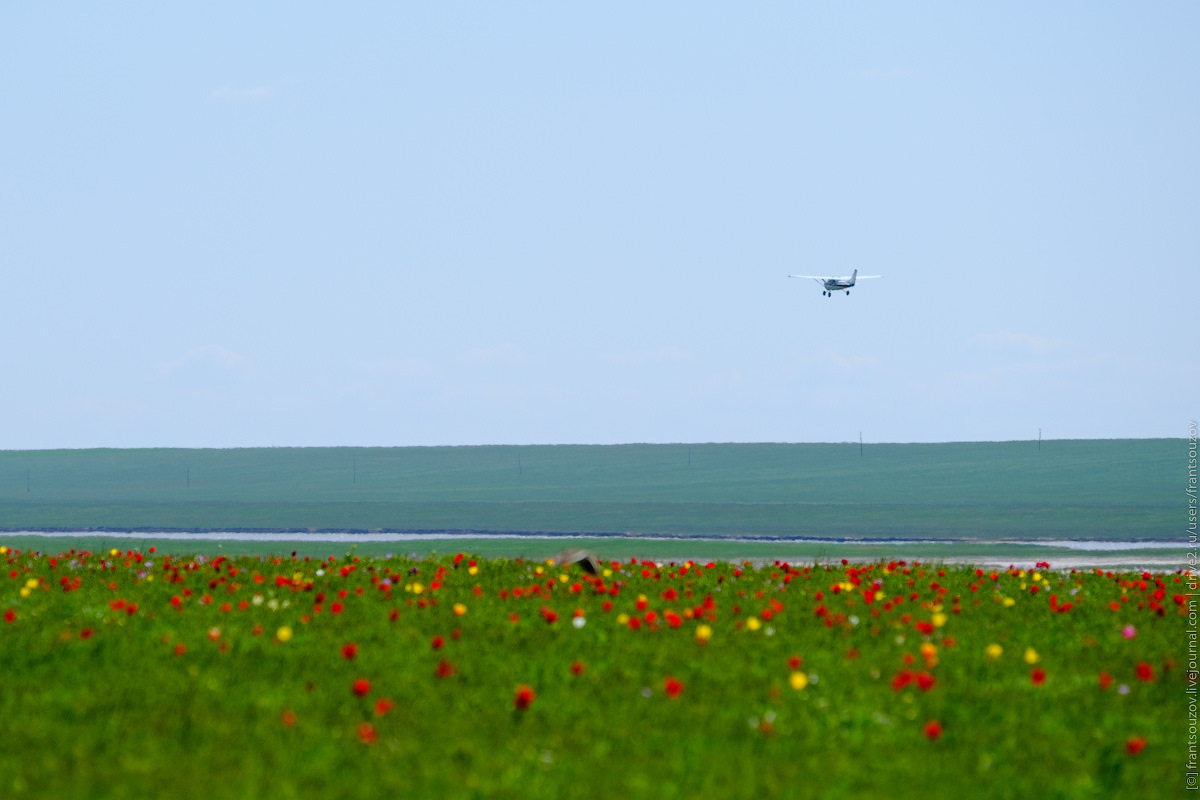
{"points": [[925, 627], [176, 601], [337, 607], [606, 606], [672, 686], [577, 667], [349, 651], [933, 729], [180, 649], [10, 616], [794, 662], [549, 614], [288, 717], [445, 669], [925, 681], [437, 642], [1135, 745], [1106, 680], [383, 706], [1145, 672], [86, 633], [903, 678], [524, 697], [361, 687], [851, 654], [1038, 676], [395, 615], [366, 733]]}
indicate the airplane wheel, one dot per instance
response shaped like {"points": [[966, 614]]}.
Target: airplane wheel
{"points": [[847, 292]]}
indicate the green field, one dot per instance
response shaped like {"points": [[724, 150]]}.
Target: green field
{"points": [[1065, 489], [131, 674]]}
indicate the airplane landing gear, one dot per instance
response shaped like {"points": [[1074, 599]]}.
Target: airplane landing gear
{"points": [[847, 292]]}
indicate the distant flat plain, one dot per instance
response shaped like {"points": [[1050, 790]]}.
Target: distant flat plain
{"points": [[982, 492]]}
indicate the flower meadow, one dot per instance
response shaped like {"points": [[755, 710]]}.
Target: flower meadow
{"points": [[138, 674]]}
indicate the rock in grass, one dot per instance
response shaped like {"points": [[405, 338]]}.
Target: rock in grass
{"points": [[586, 560]]}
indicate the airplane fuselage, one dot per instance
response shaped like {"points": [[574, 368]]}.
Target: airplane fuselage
{"points": [[836, 284]]}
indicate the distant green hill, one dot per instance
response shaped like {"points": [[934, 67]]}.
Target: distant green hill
{"points": [[1089, 488]]}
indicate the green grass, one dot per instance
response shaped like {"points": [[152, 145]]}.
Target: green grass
{"points": [[614, 547], [195, 700], [1097, 489]]}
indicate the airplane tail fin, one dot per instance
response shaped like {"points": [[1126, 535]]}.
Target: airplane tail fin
{"points": [[853, 276]]}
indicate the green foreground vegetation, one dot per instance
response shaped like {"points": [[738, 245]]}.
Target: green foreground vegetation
{"points": [[1065, 489], [137, 674]]}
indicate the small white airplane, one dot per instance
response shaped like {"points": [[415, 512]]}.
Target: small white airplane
{"points": [[837, 284]]}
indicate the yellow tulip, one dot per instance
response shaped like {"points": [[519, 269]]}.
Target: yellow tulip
{"points": [[798, 680], [1031, 656], [283, 634], [993, 651]]}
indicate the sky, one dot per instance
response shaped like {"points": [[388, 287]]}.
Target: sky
{"points": [[301, 224]]}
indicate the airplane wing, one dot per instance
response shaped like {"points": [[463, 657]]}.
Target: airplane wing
{"points": [[814, 277], [864, 277]]}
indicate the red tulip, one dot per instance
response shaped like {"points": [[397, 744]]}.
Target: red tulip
{"points": [[524, 697]]}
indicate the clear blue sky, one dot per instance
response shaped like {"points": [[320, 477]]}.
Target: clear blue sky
{"points": [[241, 224]]}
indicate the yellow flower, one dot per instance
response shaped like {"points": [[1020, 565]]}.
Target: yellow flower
{"points": [[417, 588], [939, 619], [880, 595], [993, 651], [1037, 576], [798, 680], [114, 552], [1031, 656], [3, 550], [283, 634], [459, 609], [538, 570], [607, 572], [24, 591], [622, 618], [472, 570], [1009, 602], [563, 578], [753, 623], [928, 649], [32, 583], [703, 633]]}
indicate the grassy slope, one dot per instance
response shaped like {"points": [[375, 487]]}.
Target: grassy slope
{"points": [[1108, 488]]}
